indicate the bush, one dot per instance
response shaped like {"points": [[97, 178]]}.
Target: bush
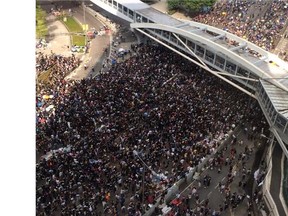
{"points": [[192, 6]]}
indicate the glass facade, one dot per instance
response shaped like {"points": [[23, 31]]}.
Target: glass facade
{"points": [[277, 119]]}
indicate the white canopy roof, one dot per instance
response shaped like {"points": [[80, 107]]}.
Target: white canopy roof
{"points": [[133, 4]]}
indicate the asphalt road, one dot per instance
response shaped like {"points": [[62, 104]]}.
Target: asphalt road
{"points": [[97, 46]]}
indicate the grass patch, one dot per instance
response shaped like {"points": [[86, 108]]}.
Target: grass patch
{"points": [[72, 25], [78, 40], [41, 26], [171, 12]]}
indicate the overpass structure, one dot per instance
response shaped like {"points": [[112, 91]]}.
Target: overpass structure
{"points": [[253, 70]]}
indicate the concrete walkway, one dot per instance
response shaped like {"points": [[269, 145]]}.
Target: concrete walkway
{"points": [[163, 7], [58, 38]]}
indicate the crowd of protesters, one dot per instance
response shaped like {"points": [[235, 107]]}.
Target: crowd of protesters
{"points": [[59, 65], [122, 138], [239, 174], [261, 22]]}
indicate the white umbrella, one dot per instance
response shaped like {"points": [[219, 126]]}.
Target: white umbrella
{"points": [[121, 50], [49, 108]]}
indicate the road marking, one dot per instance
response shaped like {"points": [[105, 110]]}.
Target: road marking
{"points": [[110, 48], [231, 212], [221, 181]]}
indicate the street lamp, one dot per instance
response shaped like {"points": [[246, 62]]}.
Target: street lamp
{"points": [[84, 23], [84, 18], [135, 153], [153, 172]]}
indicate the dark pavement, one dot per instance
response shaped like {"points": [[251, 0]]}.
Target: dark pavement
{"points": [[96, 47]]}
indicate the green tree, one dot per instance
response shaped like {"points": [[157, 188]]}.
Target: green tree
{"points": [[174, 4], [150, 1], [41, 26], [190, 5]]}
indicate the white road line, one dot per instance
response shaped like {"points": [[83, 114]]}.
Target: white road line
{"points": [[111, 39], [231, 212]]}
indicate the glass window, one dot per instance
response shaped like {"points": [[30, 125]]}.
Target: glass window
{"points": [[242, 72], [165, 34], [219, 61], [173, 39], [158, 31], [138, 18], [251, 83], [280, 121], [200, 51], [209, 56], [191, 45], [120, 7], [182, 39], [286, 131], [230, 67]]}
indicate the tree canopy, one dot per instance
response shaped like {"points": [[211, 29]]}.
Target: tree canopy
{"points": [[190, 5]]}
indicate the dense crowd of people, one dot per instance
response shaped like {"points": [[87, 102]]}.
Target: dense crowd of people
{"points": [[59, 65], [238, 173], [261, 22], [122, 138]]}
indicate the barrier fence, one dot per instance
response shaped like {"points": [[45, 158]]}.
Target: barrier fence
{"points": [[266, 186], [174, 190]]}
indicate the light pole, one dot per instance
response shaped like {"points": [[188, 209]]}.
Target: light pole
{"points": [[85, 26], [135, 153], [153, 172]]}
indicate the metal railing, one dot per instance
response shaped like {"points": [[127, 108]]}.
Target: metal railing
{"points": [[266, 185], [172, 191]]}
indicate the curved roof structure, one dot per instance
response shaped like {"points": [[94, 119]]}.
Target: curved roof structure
{"points": [[267, 67], [133, 4]]}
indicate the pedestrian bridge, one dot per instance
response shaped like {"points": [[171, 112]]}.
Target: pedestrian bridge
{"points": [[258, 73]]}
